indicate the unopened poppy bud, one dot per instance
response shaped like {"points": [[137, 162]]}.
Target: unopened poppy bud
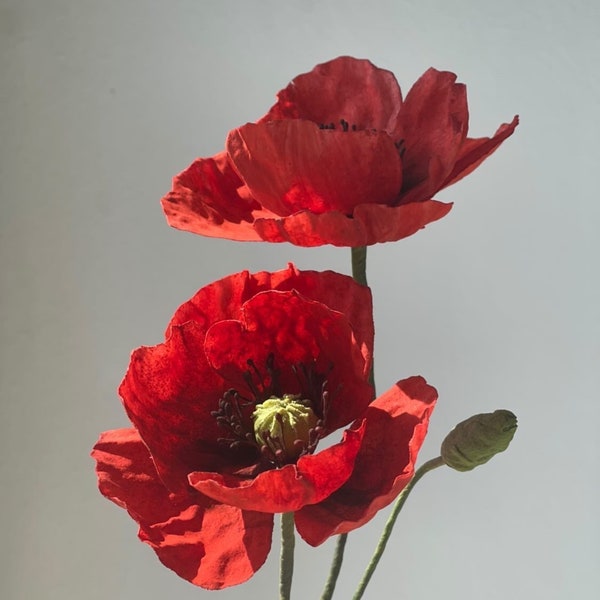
{"points": [[284, 424], [474, 441]]}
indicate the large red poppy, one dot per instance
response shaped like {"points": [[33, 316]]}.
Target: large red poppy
{"points": [[199, 474], [340, 159]]}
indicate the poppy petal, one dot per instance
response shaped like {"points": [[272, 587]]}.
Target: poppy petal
{"points": [[344, 88], [208, 198], [222, 299], [396, 426], [293, 165], [169, 392], [475, 150], [435, 120], [370, 224], [310, 480], [211, 545]]}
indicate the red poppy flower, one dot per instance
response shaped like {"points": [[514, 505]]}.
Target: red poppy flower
{"points": [[340, 159], [228, 414]]}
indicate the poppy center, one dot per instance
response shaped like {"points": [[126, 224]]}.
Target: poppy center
{"points": [[285, 427], [268, 428]]}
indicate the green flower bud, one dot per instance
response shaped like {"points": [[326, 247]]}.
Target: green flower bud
{"points": [[284, 425], [474, 441]]}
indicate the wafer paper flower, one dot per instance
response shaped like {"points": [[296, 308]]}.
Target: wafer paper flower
{"points": [[341, 158], [230, 417]]}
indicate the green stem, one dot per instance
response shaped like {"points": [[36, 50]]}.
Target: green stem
{"points": [[359, 274], [359, 264], [286, 562], [336, 565], [434, 463]]}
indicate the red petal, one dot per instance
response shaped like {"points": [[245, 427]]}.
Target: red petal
{"points": [[312, 479], [168, 392], [474, 151], [343, 88], [435, 120], [293, 165], [294, 330], [370, 224], [396, 426], [210, 199], [213, 546], [223, 299]]}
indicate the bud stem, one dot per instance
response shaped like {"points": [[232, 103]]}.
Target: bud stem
{"points": [[434, 463], [286, 560], [336, 565]]}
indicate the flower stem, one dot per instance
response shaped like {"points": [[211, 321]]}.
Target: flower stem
{"points": [[286, 560], [336, 565], [434, 463], [359, 264], [359, 274]]}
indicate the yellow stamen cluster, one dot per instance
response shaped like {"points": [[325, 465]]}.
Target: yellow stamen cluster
{"points": [[284, 425]]}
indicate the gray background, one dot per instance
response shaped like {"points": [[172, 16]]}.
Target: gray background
{"points": [[496, 305]]}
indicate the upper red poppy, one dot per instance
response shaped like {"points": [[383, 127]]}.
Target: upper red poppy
{"points": [[340, 159], [228, 414]]}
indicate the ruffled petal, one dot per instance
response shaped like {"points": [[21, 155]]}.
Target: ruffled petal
{"points": [[222, 299], [435, 121], [310, 480], [475, 150], [295, 331], [209, 198], [370, 224], [169, 392], [396, 426], [344, 88], [211, 545], [293, 165]]}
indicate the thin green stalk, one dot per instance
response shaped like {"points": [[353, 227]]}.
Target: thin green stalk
{"points": [[434, 463], [336, 565], [359, 273], [286, 562], [359, 264]]}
